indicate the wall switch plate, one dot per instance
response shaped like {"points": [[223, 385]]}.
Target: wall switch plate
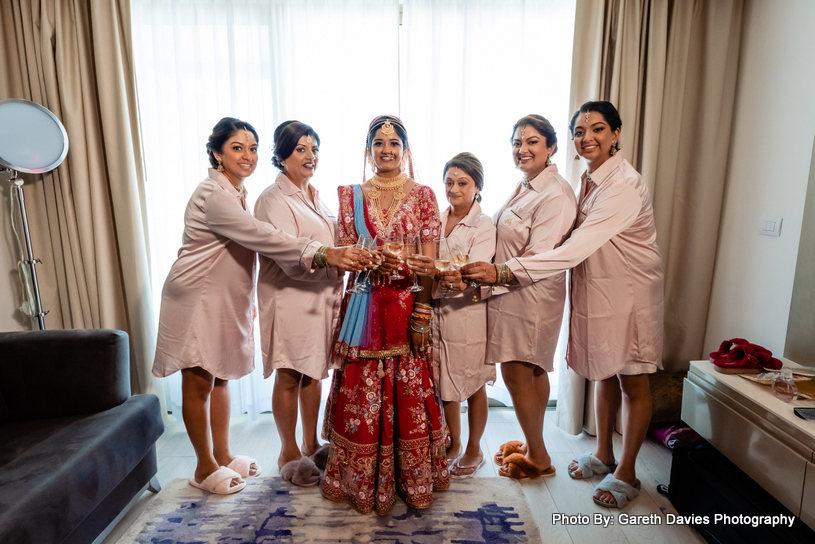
{"points": [[770, 226]]}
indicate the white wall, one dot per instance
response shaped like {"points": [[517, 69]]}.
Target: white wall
{"points": [[768, 169]]}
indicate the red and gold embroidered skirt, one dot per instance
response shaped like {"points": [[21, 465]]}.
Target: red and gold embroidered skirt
{"points": [[387, 435]]}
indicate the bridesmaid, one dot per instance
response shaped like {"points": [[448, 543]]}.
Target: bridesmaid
{"points": [[205, 323], [617, 298], [297, 345], [525, 315], [461, 334]]}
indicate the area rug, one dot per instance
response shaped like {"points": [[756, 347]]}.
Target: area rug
{"points": [[480, 510]]}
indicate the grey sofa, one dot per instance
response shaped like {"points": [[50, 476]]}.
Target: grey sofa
{"points": [[76, 448]]}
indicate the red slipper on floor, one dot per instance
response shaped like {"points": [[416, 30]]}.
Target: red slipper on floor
{"points": [[508, 448], [518, 467]]}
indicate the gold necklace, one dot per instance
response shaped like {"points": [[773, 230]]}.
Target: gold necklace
{"points": [[388, 184], [383, 184]]}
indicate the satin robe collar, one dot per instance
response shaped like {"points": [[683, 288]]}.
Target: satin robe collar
{"points": [[224, 182], [469, 220], [289, 188], [602, 174]]}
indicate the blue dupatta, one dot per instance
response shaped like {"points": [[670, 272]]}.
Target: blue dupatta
{"points": [[353, 331]]}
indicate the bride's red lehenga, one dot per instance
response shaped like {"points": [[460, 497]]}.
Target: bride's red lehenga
{"points": [[383, 419]]}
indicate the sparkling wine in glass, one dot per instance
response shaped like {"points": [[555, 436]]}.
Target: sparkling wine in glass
{"points": [[360, 284], [443, 260], [394, 244], [414, 246], [459, 253]]}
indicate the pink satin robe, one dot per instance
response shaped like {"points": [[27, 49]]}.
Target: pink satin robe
{"points": [[460, 334], [524, 319], [207, 302], [299, 310], [617, 281]]}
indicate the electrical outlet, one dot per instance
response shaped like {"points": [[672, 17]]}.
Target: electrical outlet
{"points": [[770, 226]]}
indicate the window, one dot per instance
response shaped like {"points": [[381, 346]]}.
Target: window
{"points": [[458, 72]]}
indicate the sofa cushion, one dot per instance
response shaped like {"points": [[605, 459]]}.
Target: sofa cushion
{"points": [[69, 465], [58, 373]]}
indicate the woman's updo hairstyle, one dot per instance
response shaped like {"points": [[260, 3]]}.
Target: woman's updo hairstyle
{"points": [[604, 108], [539, 123], [223, 130], [286, 136], [471, 166], [377, 123]]}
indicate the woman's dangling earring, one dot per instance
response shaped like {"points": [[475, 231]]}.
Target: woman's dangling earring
{"points": [[220, 165], [548, 160], [371, 163], [613, 148], [403, 164]]}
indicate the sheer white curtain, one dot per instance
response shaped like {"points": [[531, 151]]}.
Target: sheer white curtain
{"points": [[470, 69], [331, 64], [459, 72]]}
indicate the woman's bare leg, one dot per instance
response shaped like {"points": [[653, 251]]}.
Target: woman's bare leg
{"points": [[477, 410], [636, 396], [284, 408], [310, 396], [452, 414], [528, 386], [607, 400], [196, 389]]}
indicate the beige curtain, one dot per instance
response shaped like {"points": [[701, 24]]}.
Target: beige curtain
{"points": [[86, 217], [670, 68]]}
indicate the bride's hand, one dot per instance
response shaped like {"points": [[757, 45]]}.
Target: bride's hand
{"points": [[420, 343]]}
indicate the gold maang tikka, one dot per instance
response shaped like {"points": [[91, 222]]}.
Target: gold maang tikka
{"points": [[387, 128], [523, 130], [308, 138], [587, 117], [248, 138]]}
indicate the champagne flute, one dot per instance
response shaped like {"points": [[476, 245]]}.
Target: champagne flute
{"points": [[414, 247], [442, 261], [364, 243], [394, 244], [459, 253]]}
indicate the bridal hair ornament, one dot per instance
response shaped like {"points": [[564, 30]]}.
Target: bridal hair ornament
{"points": [[308, 138], [248, 138], [587, 117], [387, 127]]}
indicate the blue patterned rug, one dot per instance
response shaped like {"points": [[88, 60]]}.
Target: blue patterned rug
{"points": [[480, 510]]}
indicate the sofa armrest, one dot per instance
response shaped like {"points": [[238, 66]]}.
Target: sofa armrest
{"points": [[60, 373]]}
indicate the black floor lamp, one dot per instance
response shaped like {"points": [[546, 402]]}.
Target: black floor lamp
{"points": [[32, 140]]}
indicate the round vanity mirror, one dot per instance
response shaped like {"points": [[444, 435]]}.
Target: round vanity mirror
{"points": [[32, 139]]}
